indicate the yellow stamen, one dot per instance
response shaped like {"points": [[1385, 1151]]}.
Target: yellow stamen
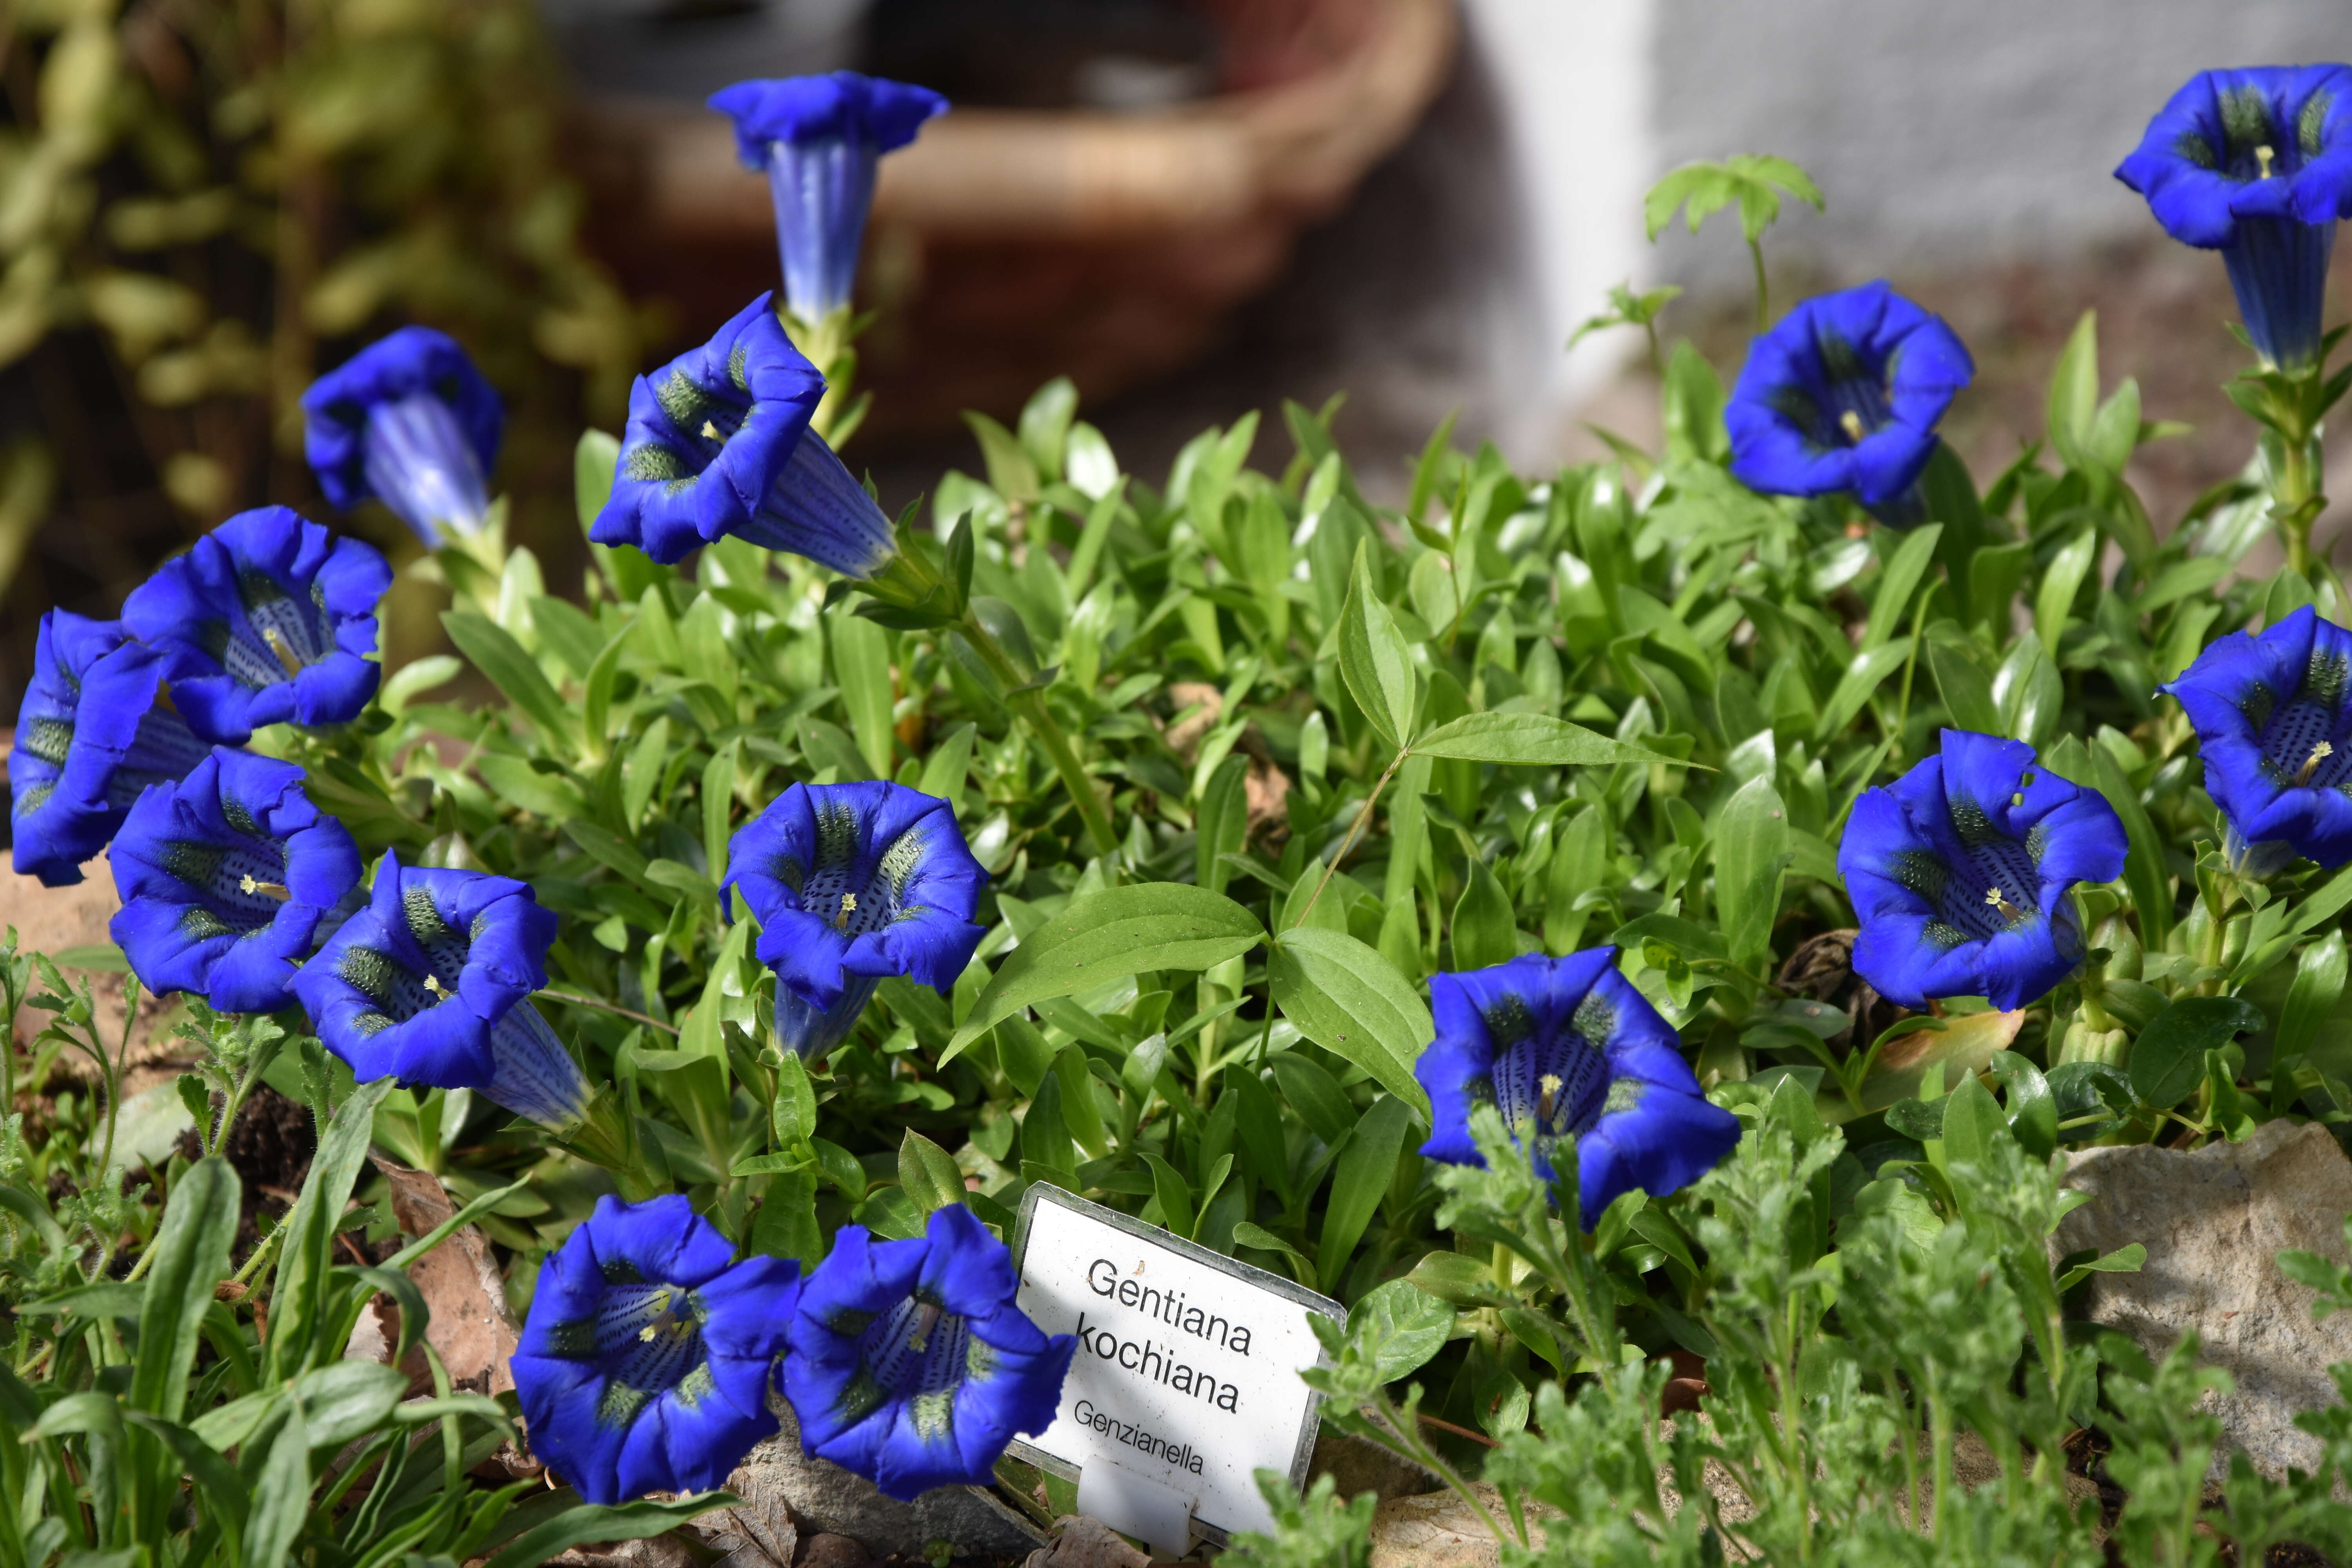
{"points": [[246, 884], [661, 1319], [2263, 156], [432, 984], [848, 907], [1850, 423], [1546, 1101], [2311, 763], [710, 431], [2009, 911], [284, 654], [927, 1318]]}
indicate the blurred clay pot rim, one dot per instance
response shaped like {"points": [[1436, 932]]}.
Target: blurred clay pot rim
{"points": [[1295, 149]]}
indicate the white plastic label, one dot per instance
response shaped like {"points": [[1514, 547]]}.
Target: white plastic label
{"points": [[1187, 1365]]}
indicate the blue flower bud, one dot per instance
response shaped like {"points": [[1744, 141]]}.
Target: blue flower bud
{"points": [[909, 1364], [409, 421], [849, 883], [272, 622], [819, 136], [1565, 1046], [431, 984], [95, 730], [1844, 395], [228, 878], [1961, 873], [2258, 165], [647, 1358]]}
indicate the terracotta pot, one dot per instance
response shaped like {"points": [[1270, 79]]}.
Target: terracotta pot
{"points": [[1009, 245]]}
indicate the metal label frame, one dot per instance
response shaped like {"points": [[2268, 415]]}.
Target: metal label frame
{"points": [[1247, 1273]]}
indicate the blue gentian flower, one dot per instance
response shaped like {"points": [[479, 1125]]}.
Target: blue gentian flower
{"points": [[719, 443], [1566, 1047], [431, 984], [851, 882], [1844, 395], [1961, 873], [909, 1364], [227, 879], [2258, 165], [819, 136], [95, 728], [410, 421], [275, 620], [2276, 734], [646, 1361]]}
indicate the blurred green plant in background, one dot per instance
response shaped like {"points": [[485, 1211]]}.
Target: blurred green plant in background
{"points": [[203, 204]]}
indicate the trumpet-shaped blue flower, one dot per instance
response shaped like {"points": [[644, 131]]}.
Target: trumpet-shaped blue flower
{"points": [[719, 443], [410, 421], [851, 882], [1845, 394], [228, 879], [819, 136], [646, 1361], [273, 620], [1566, 1047], [431, 984], [909, 1362], [2258, 165], [2276, 733], [1961, 873], [95, 728]]}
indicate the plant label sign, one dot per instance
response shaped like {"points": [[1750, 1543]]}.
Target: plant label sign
{"points": [[1186, 1377]]}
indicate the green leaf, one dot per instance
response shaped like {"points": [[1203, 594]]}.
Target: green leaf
{"points": [[1045, 424], [1107, 935], [1360, 1181], [1352, 1002], [1247, 1233], [793, 1116], [2318, 984], [281, 1493], [1536, 740], [305, 1255], [2032, 1110], [1174, 1193], [1963, 1045], [1011, 471], [2125, 1259], [2144, 869], [1899, 582], [861, 667], [2074, 404], [717, 795], [594, 1521], [1374, 660], [1080, 1113], [2168, 1059], [2061, 580], [1485, 933], [1966, 690], [1221, 827], [1864, 673], [188, 1256], [928, 1173], [1972, 1122], [515, 673], [1751, 859], [1399, 1328], [1313, 1097], [946, 768], [516, 782], [593, 462]]}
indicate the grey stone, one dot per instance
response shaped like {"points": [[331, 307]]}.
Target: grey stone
{"points": [[1087, 1543], [827, 1551], [822, 1497], [2214, 1222]]}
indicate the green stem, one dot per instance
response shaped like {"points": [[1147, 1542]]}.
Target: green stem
{"points": [[1763, 296], [2292, 496], [1029, 703], [1355, 831]]}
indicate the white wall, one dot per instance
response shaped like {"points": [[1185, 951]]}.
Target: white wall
{"points": [[1944, 133]]}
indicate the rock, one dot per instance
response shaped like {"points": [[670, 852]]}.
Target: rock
{"points": [[471, 1326], [57, 920], [2213, 1222], [1087, 1543], [822, 1497], [744, 1542], [824, 1549], [1357, 1466], [1438, 1530]]}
